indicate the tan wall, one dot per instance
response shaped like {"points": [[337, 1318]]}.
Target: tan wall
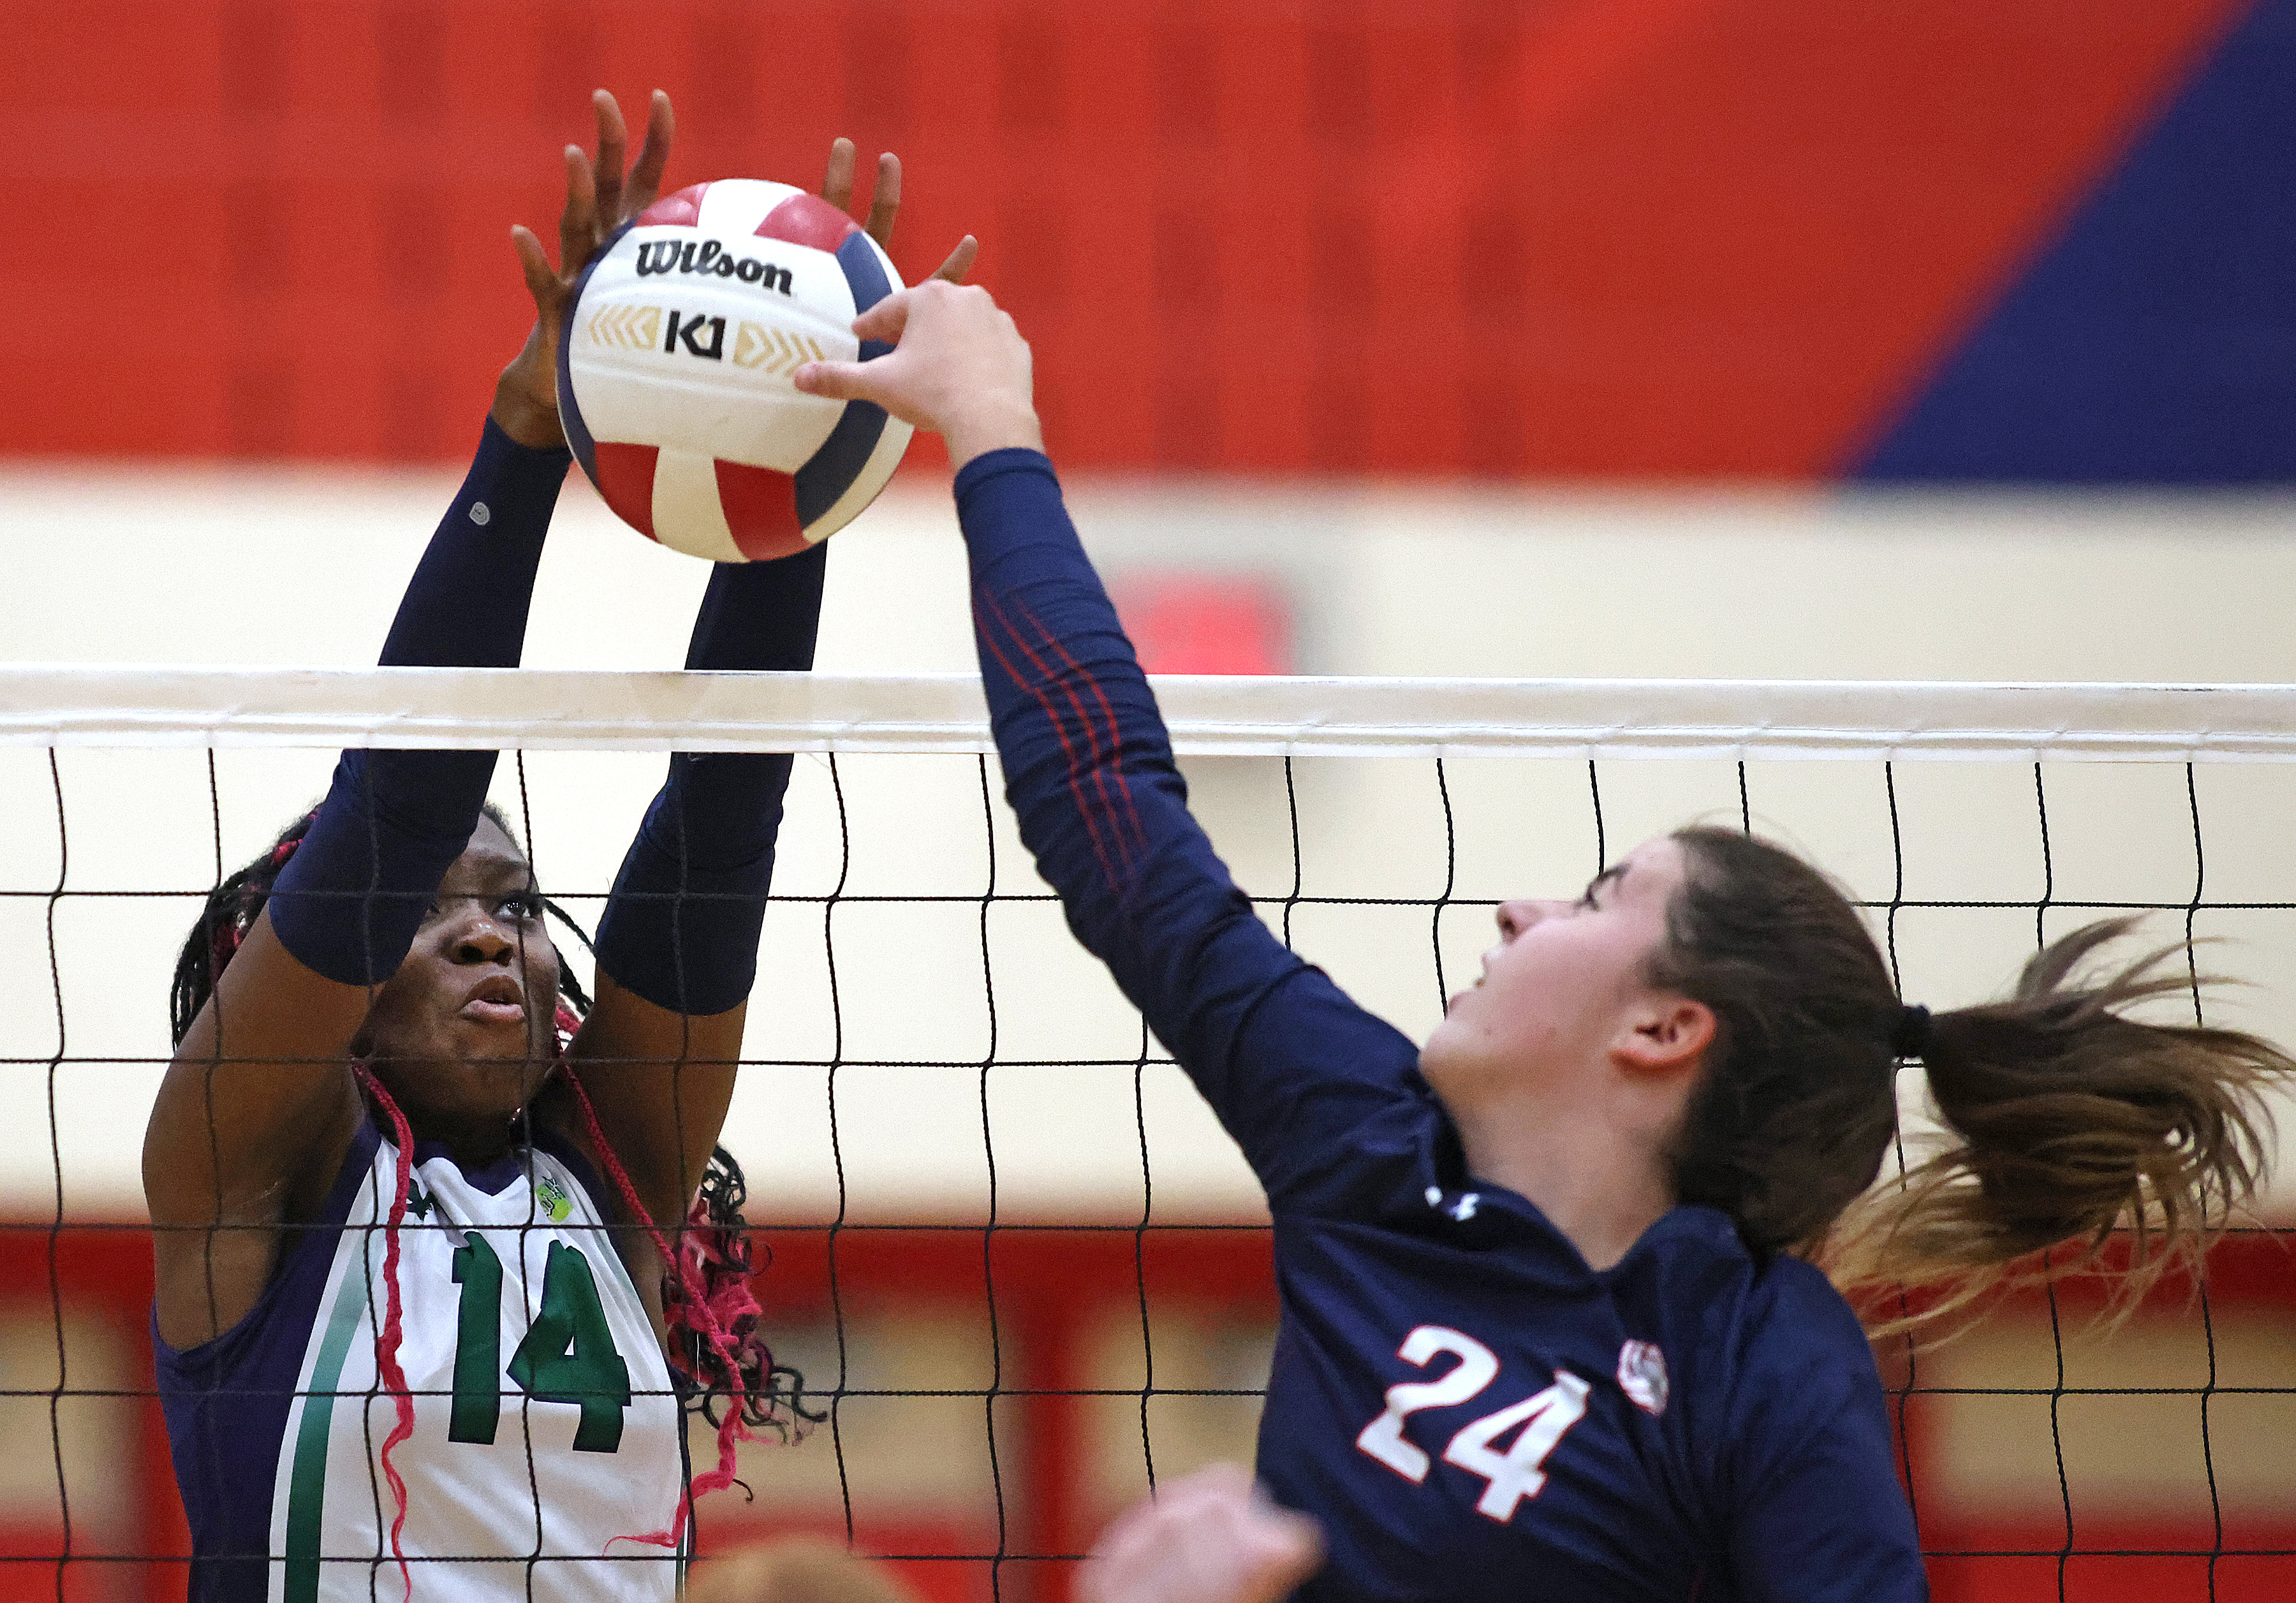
{"points": [[202, 566]]}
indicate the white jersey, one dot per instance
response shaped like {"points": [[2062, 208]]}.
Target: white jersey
{"points": [[545, 1429]]}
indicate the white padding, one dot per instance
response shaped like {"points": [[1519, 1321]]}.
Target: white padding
{"points": [[500, 708]]}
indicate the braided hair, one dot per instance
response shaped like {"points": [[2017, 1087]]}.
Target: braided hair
{"points": [[720, 1362]]}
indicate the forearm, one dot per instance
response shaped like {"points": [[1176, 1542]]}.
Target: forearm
{"points": [[681, 929], [347, 903], [1089, 770]]}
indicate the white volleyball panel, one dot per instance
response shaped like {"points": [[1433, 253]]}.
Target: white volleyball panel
{"points": [[687, 514], [738, 205], [705, 360]]}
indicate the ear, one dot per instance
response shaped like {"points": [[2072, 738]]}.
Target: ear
{"points": [[1666, 1034]]}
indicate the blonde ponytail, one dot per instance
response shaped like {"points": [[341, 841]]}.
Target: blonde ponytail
{"points": [[2071, 1124]]}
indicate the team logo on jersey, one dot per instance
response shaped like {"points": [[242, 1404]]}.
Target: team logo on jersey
{"points": [[1462, 1210], [1642, 1376], [551, 1198]]}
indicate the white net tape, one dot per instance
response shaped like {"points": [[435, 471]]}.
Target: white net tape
{"points": [[1208, 714]]}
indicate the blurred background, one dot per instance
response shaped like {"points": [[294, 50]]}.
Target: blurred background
{"points": [[1933, 339]]}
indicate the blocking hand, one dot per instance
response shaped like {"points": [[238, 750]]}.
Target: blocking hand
{"points": [[1205, 1538], [958, 367], [598, 200]]}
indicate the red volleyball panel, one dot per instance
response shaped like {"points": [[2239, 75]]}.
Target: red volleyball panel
{"points": [[806, 220], [625, 475], [683, 207], [760, 510]]}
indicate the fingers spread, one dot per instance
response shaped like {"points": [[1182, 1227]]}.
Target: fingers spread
{"points": [[613, 138], [886, 319], [960, 261], [644, 185], [837, 182], [577, 225], [540, 280], [885, 203]]}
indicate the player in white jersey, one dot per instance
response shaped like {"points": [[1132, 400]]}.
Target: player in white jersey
{"points": [[422, 1325]]}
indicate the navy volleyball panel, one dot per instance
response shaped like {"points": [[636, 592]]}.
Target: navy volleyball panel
{"points": [[569, 410], [2156, 342], [845, 453]]}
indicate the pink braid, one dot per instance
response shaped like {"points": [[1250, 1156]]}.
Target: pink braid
{"points": [[712, 1318], [386, 1347]]}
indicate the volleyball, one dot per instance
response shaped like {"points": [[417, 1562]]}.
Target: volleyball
{"points": [[676, 362]]}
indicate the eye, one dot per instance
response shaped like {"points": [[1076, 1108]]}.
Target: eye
{"points": [[523, 907]]}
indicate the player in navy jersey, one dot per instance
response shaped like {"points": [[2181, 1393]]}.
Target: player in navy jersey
{"points": [[1551, 1328], [416, 1309]]}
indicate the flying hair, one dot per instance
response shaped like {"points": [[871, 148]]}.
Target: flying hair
{"points": [[2071, 1126]]}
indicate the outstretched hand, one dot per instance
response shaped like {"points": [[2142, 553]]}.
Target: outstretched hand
{"points": [[599, 198], [958, 367], [1209, 1537]]}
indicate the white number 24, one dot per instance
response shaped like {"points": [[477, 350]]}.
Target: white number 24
{"points": [[1513, 1474]]}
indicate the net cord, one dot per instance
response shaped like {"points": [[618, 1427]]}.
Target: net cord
{"points": [[1208, 714]]}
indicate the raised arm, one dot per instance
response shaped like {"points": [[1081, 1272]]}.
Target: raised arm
{"points": [[259, 1107], [677, 945], [1284, 1058]]}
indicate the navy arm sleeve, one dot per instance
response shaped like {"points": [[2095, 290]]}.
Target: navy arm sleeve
{"points": [[1288, 1063], [681, 929], [347, 903]]}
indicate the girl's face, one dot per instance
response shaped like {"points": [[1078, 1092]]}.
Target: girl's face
{"points": [[1565, 983], [463, 1034]]}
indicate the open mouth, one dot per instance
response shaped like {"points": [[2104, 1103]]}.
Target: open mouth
{"points": [[495, 1001]]}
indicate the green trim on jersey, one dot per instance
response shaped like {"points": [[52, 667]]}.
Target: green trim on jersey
{"points": [[306, 1485]]}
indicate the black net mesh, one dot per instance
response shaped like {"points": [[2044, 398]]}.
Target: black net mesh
{"points": [[1022, 1274]]}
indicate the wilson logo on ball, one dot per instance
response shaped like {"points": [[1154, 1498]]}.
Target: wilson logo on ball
{"points": [[685, 417], [707, 256]]}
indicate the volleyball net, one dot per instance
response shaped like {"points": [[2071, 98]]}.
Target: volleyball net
{"points": [[1024, 1273]]}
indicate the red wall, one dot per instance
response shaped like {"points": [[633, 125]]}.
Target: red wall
{"points": [[1048, 1288], [1565, 237]]}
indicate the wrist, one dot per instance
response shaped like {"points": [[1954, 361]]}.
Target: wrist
{"points": [[517, 414], [999, 427]]}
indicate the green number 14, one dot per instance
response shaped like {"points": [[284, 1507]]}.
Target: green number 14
{"points": [[568, 1356]]}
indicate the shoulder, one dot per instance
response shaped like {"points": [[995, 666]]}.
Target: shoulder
{"points": [[1796, 1309], [1793, 1330], [1766, 1337], [1761, 1311], [1801, 1368]]}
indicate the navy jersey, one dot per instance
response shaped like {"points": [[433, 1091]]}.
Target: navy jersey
{"points": [[1469, 1409]]}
